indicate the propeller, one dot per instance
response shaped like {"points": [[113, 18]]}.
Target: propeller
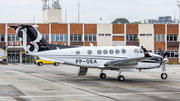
{"points": [[162, 57], [144, 49]]}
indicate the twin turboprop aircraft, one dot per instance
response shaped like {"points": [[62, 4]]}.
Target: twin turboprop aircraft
{"points": [[120, 58]]}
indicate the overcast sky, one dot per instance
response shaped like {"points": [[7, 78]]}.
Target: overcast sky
{"points": [[23, 11]]}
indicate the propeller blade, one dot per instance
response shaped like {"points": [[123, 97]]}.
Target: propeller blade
{"points": [[142, 47], [165, 54], [160, 51]]}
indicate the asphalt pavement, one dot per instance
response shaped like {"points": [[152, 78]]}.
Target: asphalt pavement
{"points": [[60, 83]]}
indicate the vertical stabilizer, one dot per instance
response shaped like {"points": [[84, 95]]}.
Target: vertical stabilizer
{"points": [[30, 38]]}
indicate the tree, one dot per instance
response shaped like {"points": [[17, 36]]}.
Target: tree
{"points": [[136, 22], [120, 21]]}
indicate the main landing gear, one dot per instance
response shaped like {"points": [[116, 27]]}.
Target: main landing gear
{"points": [[102, 75], [119, 77]]}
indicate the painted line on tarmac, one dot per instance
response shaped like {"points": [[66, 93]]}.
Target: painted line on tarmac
{"points": [[88, 95], [125, 86]]}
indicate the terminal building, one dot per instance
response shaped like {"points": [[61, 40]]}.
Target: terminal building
{"points": [[151, 36]]}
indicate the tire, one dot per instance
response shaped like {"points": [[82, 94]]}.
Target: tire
{"points": [[164, 76], [56, 64], [103, 76], [40, 63], [121, 78]]}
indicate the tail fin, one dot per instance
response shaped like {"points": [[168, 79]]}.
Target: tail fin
{"points": [[33, 41], [30, 38]]}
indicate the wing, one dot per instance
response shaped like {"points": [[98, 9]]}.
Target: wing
{"points": [[125, 62]]}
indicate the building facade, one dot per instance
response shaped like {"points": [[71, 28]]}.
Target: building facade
{"points": [[150, 36]]}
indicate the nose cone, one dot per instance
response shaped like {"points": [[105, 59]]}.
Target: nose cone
{"points": [[165, 60]]}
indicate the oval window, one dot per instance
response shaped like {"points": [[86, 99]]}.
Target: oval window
{"points": [[111, 51], [77, 52], [99, 52], [123, 51], [117, 51], [105, 51], [89, 52], [135, 51]]}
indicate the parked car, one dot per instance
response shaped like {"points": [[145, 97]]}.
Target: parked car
{"points": [[42, 62]]}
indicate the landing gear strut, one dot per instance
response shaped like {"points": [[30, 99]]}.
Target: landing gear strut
{"points": [[102, 75], [120, 77]]}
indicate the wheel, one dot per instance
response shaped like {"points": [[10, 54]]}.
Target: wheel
{"points": [[164, 76], [121, 78], [40, 63], [56, 63], [102, 75]]}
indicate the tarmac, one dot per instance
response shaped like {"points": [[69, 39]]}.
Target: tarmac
{"points": [[60, 83]]}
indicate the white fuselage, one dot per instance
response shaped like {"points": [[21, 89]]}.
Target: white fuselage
{"points": [[96, 57]]}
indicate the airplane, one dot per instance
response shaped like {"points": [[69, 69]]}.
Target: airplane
{"points": [[120, 58]]}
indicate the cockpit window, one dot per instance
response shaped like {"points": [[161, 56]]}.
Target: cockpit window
{"points": [[136, 50], [141, 51]]}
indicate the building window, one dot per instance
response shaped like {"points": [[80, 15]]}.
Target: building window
{"points": [[76, 37], [142, 34], [1, 37], [157, 52], [172, 54], [148, 34], [90, 37], [101, 34], [108, 34], [159, 37], [131, 37], [59, 37], [13, 56], [27, 58], [13, 37], [171, 37], [46, 36]]}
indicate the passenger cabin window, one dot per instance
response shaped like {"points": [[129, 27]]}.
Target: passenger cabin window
{"points": [[117, 51], [111, 51], [77, 52], [105, 51], [99, 52], [123, 51], [141, 51], [89, 52]]}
